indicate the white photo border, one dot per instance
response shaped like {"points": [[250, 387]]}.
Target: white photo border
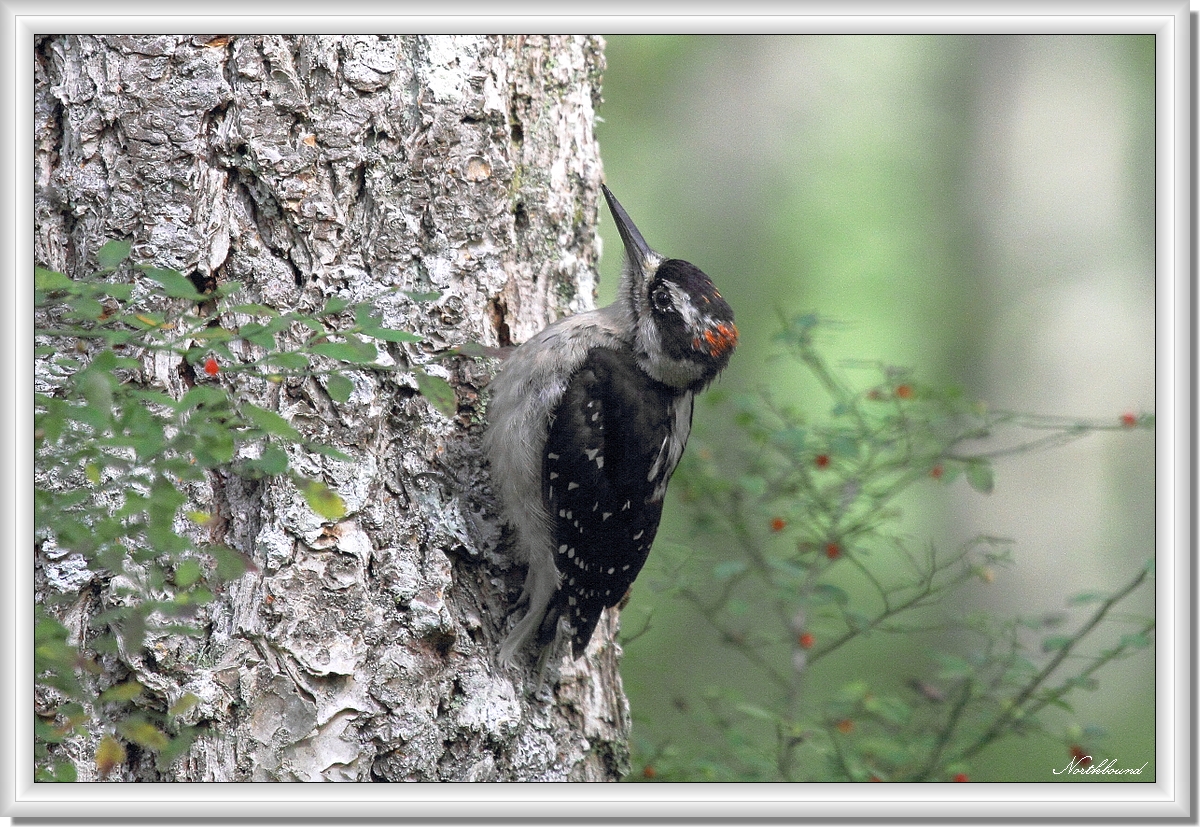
{"points": [[1173, 795]]}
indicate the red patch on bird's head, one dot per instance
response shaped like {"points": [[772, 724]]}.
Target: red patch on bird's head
{"points": [[718, 340]]}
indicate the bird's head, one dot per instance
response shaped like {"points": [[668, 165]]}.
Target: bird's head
{"points": [[682, 327]]}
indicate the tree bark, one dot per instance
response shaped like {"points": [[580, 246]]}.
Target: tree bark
{"points": [[308, 167]]}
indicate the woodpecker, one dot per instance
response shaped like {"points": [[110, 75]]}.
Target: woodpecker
{"points": [[587, 422]]}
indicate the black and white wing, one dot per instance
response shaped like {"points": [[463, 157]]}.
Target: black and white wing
{"points": [[614, 441]]}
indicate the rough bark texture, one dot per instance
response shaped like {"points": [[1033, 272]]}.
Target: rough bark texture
{"points": [[306, 167]]}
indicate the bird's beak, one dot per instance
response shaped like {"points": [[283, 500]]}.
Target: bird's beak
{"points": [[636, 248]]}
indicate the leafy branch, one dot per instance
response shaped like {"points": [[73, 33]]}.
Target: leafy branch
{"points": [[119, 463], [811, 565]]}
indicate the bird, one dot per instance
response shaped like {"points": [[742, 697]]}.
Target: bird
{"points": [[587, 422]]}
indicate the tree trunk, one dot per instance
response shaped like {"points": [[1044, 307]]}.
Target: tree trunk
{"points": [[308, 167]]}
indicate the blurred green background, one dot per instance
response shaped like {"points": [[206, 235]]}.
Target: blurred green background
{"points": [[978, 208]]}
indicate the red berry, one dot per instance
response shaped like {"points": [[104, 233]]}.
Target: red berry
{"points": [[778, 524], [936, 472], [211, 367], [961, 777], [833, 551], [904, 391], [845, 726], [822, 460], [649, 771], [1128, 420], [1080, 756], [807, 640]]}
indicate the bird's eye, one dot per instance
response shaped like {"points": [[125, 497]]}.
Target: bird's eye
{"points": [[660, 299]]}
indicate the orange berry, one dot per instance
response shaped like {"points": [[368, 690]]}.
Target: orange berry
{"points": [[845, 726], [211, 367], [904, 391], [936, 472], [807, 640], [649, 771], [778, 524]]}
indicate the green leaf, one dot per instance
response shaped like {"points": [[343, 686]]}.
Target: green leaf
{"points": [[121, 290], [853, 692], [258, 334], [108, 754], [1139, 640], [438, 392], [212, 335], [201, 395], [328, 451], [892, 710], [979, 477], [214, 443], [229, 288], [85, 307], [335, 304], [1055, 642], [269, 421], [73, 712], [828, 593], [187, 573], [757, 712], [364, 315], [177, 747], [64, 772], [186, 702], [354, 351], [146, 320], [112, 254], [43, 731], [289, 361], [174, 284], [339, 387], [47, 280], [422, 297], [389, 335], [123, 692], [198, 597], [96, 384], [323, 500], [1087, 597], [143, 733], [274, 461], [48, 628]]}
